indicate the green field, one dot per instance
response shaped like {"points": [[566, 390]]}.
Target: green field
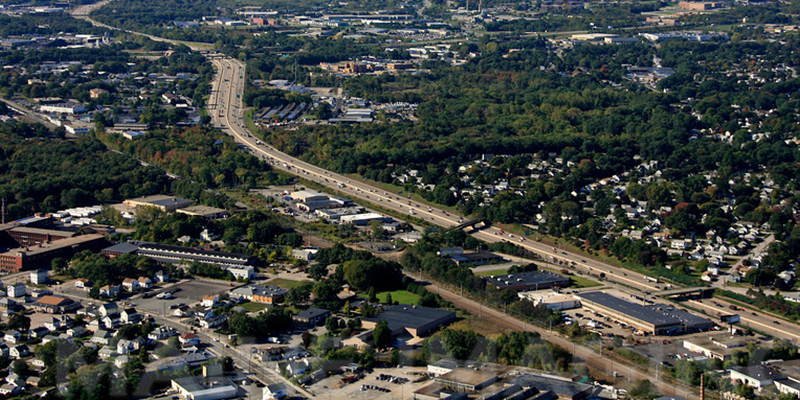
{"points": [[581, 282], [285, 283], [400, 296], [253, 307], [492, 272]]}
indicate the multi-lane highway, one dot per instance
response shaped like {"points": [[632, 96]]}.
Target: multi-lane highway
{"points": [[227, 112]]}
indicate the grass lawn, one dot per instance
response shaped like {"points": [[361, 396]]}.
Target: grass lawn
{"points": [[492, 272], [253, 307], [285, 283], [400, 296], [581, 282]]}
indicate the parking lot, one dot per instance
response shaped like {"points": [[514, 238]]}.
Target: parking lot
{"points": [[189, 292], [372, 385]]}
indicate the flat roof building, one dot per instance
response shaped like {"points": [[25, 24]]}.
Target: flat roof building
{"points": [[204, 211], [720, 347], [466, 380], [163, 202], [177, 254], [204, 388], [658, 319], [474, 259], [41, 255], [563, 388], [533, 280], [415, 320], [306, 196]]}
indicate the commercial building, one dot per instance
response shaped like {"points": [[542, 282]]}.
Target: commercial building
{"points": [[658, 319], [306, 196], [55, 304], [699, 6], [477, 258], [177, 254], [551, 299], [364, 219], [562, 388], [413, 320], [259, 293], [719, 347], [160, 201], [205, 211], [534, 280], [63, 108], [312, 317], [204, 388], [41, 255], [28, 236], [755, 376], [465, 380]]}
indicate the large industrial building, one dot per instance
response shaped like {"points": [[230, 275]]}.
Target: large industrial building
{"points": [[415, 320], [168, 254], [657, 319], [160, 201], [534, 280], [42, 254]]}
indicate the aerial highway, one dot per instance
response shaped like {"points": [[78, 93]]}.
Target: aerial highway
{"points": [[227, 111]]}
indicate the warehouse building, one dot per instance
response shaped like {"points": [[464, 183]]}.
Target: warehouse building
{"points": [[533, 280], [415, 320], [658, 319], [160, 201], [41, 255], [474, 259]]}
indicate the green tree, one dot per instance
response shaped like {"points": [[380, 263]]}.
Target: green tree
{"points": [[381, 335]]}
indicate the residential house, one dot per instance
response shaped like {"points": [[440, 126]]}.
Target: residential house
{"points": [[130, 316], [39, 277], [10, 390], [130, 284], [210, 301], [125, 346], [7, 304], [161, 276], [214, 321], [12, 337], [58, 323], [102, 336], [76, 331], [106, 352], [145, 282], [110, 321], [189, 339], [162, 332], [108, 308], [83, 284], [274, 391], [121, 361], [19, 351], [39, 332], [293, 368], [109, 291], [16, 290], [4, 349]]}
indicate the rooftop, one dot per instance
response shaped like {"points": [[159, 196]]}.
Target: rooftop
{"points": [[408, 316], [561, 387], [527, 278], [632, 310], [59, 244]]}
